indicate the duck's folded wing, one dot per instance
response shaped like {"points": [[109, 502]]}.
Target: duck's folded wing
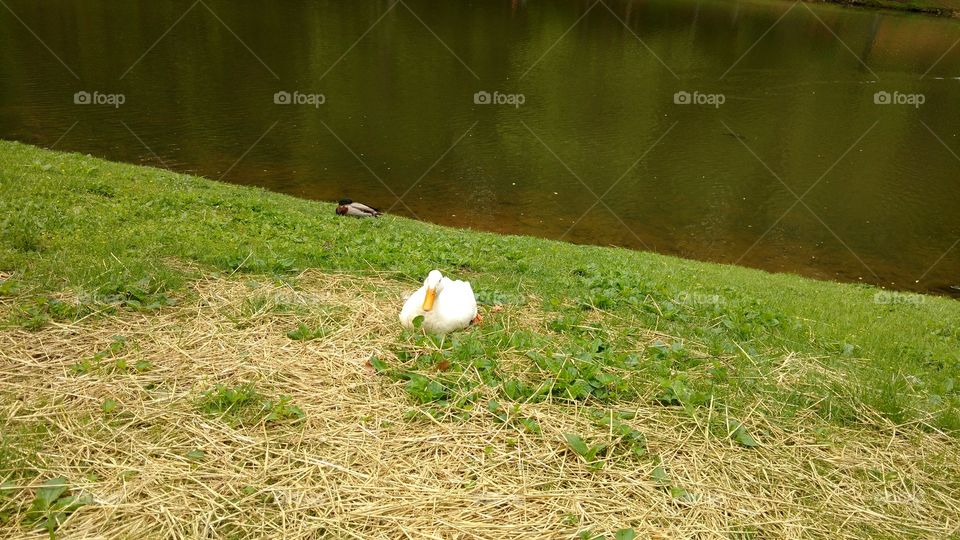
{"points": [[351, 211], [412, 307], [364, 208], [466, 297]]}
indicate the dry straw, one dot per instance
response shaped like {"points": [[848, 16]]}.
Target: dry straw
{"points": [[359, 467]]}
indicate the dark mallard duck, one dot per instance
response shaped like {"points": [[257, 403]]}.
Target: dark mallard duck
{"points": [[347, 207]]}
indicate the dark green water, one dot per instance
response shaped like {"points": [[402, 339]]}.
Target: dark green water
{"points": [[879, 184]]}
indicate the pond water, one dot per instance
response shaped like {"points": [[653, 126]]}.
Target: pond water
{"points": [[778, 156]]}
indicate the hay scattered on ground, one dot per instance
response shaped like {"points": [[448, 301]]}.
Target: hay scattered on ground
{"points": [[360, 465]]}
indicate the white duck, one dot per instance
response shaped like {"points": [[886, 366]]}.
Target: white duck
{"points": [[446, 305]]}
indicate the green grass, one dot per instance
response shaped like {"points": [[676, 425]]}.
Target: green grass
{"points": [[80, 236]]}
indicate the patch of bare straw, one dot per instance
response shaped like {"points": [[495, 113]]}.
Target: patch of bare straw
{"points": [[357, 468]]}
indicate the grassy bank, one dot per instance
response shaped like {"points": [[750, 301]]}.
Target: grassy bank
{"points": [[232, 356], [938, 8]]}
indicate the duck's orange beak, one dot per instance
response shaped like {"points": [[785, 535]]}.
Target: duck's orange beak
{"points": [[429, 299]]}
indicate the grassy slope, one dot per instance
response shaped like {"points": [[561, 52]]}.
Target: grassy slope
{"points": [[103, 232], [943, 8]]}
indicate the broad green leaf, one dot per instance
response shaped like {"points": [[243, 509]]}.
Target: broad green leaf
{"points": [[196, 455], [530, 425], [418, 321], [302, 333], [625, 534], [513, 388], [67, 505], [741, 435], [594, 450], [494, 407], [51, 490], [296, 411], [577, 444], [660, 475], [744, 438], [109, 406], [378, 364]]}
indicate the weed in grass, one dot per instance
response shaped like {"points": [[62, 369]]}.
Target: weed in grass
{"points": [[145, 294], [109, 406], [9, 287], [305, 333], [590, 370], [89, 365], [282, 409], [243, 404], [223, 400], [625, 442], [662, 479], [426, 390], [530, 426], [660, 476], [84, 366], [589, 453], [53, 504], [35, 314], [22, 231], [677, 391], [101, 189], [740, 434], [513, 417], [625, 437], [446, 372]]}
